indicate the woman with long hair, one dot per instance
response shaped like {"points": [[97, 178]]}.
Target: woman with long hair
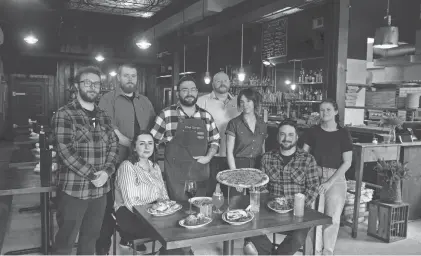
{"points": [[246, 133], [138, 182], [331, 146]]}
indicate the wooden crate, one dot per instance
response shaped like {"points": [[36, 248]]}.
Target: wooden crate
{"points": [[388, 222]]}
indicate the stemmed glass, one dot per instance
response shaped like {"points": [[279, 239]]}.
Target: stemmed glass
{"points": [[190, 189]]}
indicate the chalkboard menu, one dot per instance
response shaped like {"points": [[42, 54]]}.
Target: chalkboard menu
{"points": [[274, 38]]}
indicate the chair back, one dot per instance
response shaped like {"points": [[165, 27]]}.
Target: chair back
{"points": [[46, 161]]}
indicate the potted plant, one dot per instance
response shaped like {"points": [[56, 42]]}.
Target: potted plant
{"points": [[392, 121], [391, 173]]}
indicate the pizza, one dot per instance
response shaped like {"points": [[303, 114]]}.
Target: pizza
{"points": [[243, 178]]}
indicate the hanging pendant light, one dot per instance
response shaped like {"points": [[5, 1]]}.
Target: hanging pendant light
{"points": [[207, 74], [293, 85], [388, 36], [241, 72]]}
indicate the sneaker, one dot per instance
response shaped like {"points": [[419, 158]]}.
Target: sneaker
{"points": [[140, 248], [250, 249]]}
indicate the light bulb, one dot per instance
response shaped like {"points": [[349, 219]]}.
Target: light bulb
{"points": [[293, 86], [113, 73], [99, 58], [207, 78], [287, 82], [143, 44], [241, 74], [31, 39]]}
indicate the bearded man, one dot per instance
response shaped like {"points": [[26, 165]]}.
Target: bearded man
{"points": [[291, 170], [130, 113], [87, 153]]}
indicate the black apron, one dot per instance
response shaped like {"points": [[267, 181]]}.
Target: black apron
{"points": [[191, 139]]}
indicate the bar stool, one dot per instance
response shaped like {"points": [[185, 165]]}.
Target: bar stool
{"points": [[133, 243]]}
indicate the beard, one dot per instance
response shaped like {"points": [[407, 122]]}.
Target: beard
{"points": [[128, 87], [289, 146], [222, 89], [187, 103], [84, 95]]}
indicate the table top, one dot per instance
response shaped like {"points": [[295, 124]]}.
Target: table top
{"points": [[21, 180], [265, 222]]}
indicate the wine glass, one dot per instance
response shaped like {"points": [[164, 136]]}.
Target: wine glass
{"points": [[190, 189], [218, 201]]}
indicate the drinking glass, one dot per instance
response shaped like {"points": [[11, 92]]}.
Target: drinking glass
{"points": [[190, 189], [255, 201], [218, 201]]}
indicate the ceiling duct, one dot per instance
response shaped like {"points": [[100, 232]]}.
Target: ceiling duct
{"points": [[192, 14]]}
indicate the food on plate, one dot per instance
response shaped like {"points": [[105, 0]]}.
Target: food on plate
{"points": [[163, 206], [237, 216], [202, 201], [243, 177], [280, 203], [194, 220]]}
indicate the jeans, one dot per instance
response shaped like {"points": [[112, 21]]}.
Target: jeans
{"points": [[216, 165], [103, 243], [292, 243], [75, 216], [332, 204], [5, 211]]}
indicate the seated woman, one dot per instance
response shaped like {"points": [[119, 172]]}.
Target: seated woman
{"points": [[138, 182]]}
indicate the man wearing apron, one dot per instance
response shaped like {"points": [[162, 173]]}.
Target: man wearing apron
{"points": [[191, 139]]}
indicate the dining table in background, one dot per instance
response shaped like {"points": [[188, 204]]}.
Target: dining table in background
{"points": [[265, 222], [22, 180]]}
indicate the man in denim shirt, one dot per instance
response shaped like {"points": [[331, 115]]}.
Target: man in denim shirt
{"points": [[291, 171]]}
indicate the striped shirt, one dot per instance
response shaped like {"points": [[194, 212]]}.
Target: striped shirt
{"points": [[83, 147], [167, 121], [134, 185]]}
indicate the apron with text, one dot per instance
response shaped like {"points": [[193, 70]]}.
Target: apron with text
{"points": [[191, 139]]}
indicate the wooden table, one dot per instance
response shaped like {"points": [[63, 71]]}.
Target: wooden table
{"points": [[365, 153], [22, 180], [171, 235]]}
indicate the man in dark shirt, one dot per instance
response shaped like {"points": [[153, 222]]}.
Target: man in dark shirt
{"points": [[291, 171], [130, 112]]}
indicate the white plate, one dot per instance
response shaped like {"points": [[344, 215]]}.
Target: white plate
{"points": [[224, 218], [194, 200], [168, 212], [269, 204], [208, 220]]}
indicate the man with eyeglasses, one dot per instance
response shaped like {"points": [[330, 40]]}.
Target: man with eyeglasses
{"points": [[191, 139], [87, 150], [130, 113]]}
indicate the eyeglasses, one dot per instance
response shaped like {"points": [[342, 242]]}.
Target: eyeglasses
{"points": [[192, 90], [88, 83]]}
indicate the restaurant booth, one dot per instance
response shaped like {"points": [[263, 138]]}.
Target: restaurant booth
{"points": [[296, 57]]}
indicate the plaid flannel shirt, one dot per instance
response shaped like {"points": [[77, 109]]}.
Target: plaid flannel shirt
{"points": [[83, 148], [167, 121], [300, 175]]}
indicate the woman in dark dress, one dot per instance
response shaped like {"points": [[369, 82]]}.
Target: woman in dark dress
{"points": [[246, 133], [331, 145]]}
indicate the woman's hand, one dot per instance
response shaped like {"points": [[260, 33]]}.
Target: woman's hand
{"points": [[324, 187]]}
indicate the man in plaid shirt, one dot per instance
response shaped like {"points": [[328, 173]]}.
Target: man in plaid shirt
{"points": [[291, 171], [87, 152]]}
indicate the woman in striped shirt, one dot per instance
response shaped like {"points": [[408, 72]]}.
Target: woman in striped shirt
{"points": [[138, 182]]}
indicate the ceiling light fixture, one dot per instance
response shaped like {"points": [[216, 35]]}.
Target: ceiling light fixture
{"points": [[99, 58], [241, 72], [207, 74], [31, 39], [113, 73], [287, 82], [386, 37], [293, 85], [143, 44], [146, 14]]}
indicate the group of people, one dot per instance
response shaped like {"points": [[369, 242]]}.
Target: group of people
{"points": [[107, 159]]}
